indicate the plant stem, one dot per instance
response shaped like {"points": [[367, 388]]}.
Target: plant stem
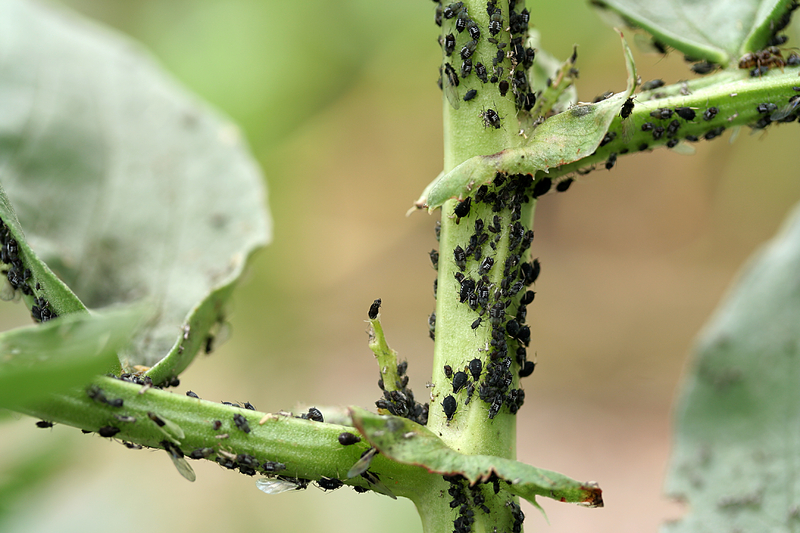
{"points": [[309, 450]]}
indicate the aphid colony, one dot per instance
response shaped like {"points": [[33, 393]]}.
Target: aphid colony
{"points": [[509, 64], [244, 463], [19, 277], [468, 499], [667, 124], [496, 292], [401, 402]]}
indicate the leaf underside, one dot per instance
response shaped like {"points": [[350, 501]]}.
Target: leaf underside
{"points": [[126, 186], [407, 442], [716, 31], [737, 445]]}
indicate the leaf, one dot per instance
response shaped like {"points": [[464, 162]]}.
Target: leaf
{"points": [[59, 297], [717, 31], [409, 443], [61, 354], [126, 185], [561, 139], [738, 417]]}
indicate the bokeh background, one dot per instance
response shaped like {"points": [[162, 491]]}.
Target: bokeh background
{"points": [[340, 106]]}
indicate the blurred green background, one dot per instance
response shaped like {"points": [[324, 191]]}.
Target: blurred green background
{"points": [[340, 105]]}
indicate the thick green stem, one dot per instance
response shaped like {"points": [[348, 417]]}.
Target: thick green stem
{"points": [[471, 129]]}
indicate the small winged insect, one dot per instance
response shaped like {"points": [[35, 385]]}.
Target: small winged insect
{"points": [[449, 83], [789, 110], [377, 486], [362, 465], [627, 108], [278, 485], [180, 462], [172, 430]]}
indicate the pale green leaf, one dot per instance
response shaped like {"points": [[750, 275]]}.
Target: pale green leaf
{"points": [[737, 448], [718, 31], [61, 354], [559, 140], [409, 443], [125, 185]]}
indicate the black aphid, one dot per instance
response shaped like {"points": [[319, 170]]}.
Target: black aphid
{"points": [[686, 113], [313, 414], [459, 380], [44, 424], [434, 259], [475, 367], [108, 431], [627, 108], [192, 394], [663, 113], [652, 84], [374, 309], [449, 43], [326, 483], [470, 95], [527, 369], [563, 185], [241, 423], [462, 209], [460, 258], [490, 118], [347, 439], [449, 406], [710, 113], [542, 187]]}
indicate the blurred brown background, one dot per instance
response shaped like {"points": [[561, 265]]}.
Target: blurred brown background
{"points": [[340, 105]]}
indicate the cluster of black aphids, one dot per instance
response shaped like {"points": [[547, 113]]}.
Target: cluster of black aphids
{"points": [[401, 402], [19, 276]]}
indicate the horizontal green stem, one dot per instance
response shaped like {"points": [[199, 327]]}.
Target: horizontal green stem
{"points": [[310, 450], [734, 93]]}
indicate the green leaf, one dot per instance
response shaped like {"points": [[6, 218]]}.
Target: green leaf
{"points": [[559, 140], [61, 354], [126, 185], [738, 418], [60, 298], [409, 443], [716, 31]]}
